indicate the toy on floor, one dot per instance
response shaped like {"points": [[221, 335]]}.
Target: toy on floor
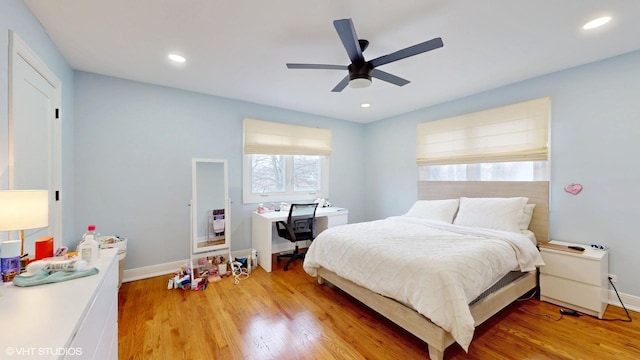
{"points": [[206, 270]]}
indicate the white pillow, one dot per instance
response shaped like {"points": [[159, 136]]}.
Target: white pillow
{"points": [[491, 213], [441, 210], [527, 213]]}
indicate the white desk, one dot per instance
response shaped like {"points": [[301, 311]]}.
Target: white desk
{"points": [[262, 229]]}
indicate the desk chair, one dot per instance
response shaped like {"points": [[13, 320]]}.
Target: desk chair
{"points": [[300, 226]]}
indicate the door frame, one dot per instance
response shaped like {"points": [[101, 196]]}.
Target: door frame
{"points": [[18, 48]]}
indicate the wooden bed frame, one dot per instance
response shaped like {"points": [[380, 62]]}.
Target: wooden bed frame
{"points": [[436, 338]]}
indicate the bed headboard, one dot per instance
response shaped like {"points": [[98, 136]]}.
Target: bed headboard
{"points": [[536, 191]]}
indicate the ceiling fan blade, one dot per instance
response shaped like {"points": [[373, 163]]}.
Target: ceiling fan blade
{"points": [[317, 66], [349, 39], [341, 85], [407, 52], [385, 76]]}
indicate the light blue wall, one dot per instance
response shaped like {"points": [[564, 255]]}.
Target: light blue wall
{"points": [[15, 16], [595, 127], [134, 144]]}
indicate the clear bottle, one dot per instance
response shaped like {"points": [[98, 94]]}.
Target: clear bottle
{"points": [[89, 248]]}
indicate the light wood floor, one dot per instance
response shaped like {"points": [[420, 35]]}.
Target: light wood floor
{"points": [[287, 315]]}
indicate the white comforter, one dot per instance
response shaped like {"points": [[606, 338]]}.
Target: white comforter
{"points": [[436, 268]]}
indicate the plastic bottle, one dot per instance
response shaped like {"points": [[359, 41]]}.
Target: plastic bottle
{"points": [[254, 258], [91, 230], [89, 248]]}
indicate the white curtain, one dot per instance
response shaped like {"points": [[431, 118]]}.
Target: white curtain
{"points": [[518, 132], [265, 137]]}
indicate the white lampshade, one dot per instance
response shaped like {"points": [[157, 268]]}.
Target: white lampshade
{"points": [[23, 209], [360, 82]]}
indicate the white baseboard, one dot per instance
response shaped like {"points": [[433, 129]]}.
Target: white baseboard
{"points": [[630, 302], [151, 271], [146, 272]]}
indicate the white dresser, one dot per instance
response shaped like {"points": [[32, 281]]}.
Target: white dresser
{"points": [[577, 281], [75, 319]]}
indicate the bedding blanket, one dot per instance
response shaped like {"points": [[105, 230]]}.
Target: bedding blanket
{"points": [[434, 267]]}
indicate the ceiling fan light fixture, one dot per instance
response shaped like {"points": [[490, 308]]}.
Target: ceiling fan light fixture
{"points": [[360, 70], [359, 82]]}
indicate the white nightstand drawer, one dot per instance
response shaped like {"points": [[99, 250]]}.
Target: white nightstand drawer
{"points": [[580, 294], [576, 268]]}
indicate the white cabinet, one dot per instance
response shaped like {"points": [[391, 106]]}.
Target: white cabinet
{"points": [[75, 319], [100, 325], [342, 218], [576, 281]]}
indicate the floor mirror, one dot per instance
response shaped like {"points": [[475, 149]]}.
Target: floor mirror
{"points": [[210, 219]]}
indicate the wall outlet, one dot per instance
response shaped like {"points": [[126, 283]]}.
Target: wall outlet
{"points": [[614, 278]]}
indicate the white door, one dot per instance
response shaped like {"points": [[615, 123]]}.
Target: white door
{"points": [[34, 135]]}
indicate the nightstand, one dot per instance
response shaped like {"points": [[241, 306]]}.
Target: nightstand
{"points": [[578, 281]]}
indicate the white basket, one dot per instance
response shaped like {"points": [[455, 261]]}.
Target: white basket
{"points": [[111, 242]]}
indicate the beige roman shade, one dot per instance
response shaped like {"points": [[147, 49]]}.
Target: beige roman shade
{"points": [[265, 137], [518, 132]]}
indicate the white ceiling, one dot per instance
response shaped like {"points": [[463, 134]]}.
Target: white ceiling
{"points": [[238, 49]]}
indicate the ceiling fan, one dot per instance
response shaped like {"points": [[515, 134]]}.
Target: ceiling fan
{"points": [[361, 71]]}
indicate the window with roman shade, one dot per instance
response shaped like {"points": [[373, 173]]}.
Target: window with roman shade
{"points": [[284, 162], [512, 133], [265, 137]]}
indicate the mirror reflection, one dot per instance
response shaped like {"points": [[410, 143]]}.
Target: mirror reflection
{"points": [[210, 216]]}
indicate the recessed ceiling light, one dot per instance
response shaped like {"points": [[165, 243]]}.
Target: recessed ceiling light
{"points": [[365, 105], [596, 22], [177, 58]]}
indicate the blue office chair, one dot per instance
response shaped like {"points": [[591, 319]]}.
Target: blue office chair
{"points": [[300, 226]]}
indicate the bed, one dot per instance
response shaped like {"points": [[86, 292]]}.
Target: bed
{"points": [[440, 313]]}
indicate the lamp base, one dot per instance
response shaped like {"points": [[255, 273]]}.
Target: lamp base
{"points": [[21, 234]]}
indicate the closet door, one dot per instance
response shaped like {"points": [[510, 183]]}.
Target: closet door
{"points": [[34, 134]]}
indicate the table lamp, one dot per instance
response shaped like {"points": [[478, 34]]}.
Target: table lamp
{"points": [[22, 210]]}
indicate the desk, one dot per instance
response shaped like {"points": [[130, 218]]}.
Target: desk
{"points": [[262, 229]]}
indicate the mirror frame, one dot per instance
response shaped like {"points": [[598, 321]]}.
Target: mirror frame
{"points": [[195, 249]]}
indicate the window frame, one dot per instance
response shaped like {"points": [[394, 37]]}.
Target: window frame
{"points": [[248, 197]]}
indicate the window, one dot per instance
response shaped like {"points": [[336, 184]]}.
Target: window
{"points": [[267, 173], [285, 162], [508, 143], [502, 171], [307, 171], [273, 178]]}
